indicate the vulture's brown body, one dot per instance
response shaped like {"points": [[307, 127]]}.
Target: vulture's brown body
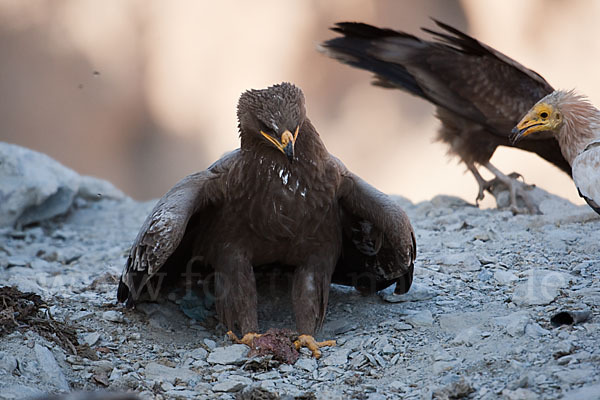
{"points": [[479, 93], [265, 203]]}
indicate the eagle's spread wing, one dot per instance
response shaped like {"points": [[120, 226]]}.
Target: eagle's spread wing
{"points": [[462, 76], [379, 246], [587, 176], [166, 227]]}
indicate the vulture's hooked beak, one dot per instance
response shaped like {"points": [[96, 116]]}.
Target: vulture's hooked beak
{"points": [[287, 142], [536, 120]]}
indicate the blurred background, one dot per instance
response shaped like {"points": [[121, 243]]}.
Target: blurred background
{"points": [[144, 92]]}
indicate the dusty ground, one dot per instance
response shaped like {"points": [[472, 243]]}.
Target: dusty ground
{"points": [[476, 323]]}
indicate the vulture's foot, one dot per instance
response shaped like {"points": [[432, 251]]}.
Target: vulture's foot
{"points": [[482, 183], [310, 343], [517, 190]]}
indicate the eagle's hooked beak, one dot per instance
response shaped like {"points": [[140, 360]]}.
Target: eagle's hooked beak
{"points": [[287, 142]]}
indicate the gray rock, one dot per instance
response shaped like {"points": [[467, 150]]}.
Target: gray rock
{"points": [[115, 375], [181, 394], [102, 366], [514, 323], [541, 288], [197, 354], [17, 261], [456, 388], [591, 392], [337, 357], [270, 375], [442, 366], [8, 362], [91, 188], [401, 326], [505, 277], [417, 292], [90, 338], [234, 354], [49, 369], [519, 394], [112, 316], [258, 392], [574, 376], [232, 383], [485, 275], [19, 392], [33, 187], [468, 337], [423, 318], [307, 364], [535, 330], [465, 261], [161, 373], [456, 322]]}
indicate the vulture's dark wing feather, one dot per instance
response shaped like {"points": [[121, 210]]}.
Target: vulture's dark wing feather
{"points": [[457, 73], [165, 227], [379, 246]]}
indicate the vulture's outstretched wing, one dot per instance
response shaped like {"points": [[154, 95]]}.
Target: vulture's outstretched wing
{"points": [[457, 73], [586, 175], [379, 246], [166, 228]]}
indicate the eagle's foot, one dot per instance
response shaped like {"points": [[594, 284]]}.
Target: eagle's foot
{"points": [[310, 343], [248, 338]]}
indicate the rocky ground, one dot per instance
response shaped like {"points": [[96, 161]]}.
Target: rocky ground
{"points": [[476, 323]]}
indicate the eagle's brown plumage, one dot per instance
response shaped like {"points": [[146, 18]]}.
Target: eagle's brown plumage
{"points": [[479, 93], [281, 198]]}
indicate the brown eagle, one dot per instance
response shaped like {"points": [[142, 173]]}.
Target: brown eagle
{"points": [[280, 198], [479, 93], [575, 123]]}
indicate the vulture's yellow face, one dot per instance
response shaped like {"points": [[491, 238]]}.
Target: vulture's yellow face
{"points": [[543, 117]]}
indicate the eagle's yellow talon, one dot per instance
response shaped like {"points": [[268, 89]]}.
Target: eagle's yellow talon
{"points": [[310, 343], [247, 339]]}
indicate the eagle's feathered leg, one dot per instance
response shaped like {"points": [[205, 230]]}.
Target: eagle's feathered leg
{"points": [[310, 290], [235, 292]]}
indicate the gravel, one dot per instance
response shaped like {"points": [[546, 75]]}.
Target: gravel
{"points": [[476, 323]]}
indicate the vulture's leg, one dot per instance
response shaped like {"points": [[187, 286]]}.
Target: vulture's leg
{"points": [[483, 184], [235, 292], [515, 188]]}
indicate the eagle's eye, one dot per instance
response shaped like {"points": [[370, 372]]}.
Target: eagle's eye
{"points": [[544, 115]]}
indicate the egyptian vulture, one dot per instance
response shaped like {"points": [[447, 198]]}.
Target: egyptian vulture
{"points": [[575, 123], [479, 93]]}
